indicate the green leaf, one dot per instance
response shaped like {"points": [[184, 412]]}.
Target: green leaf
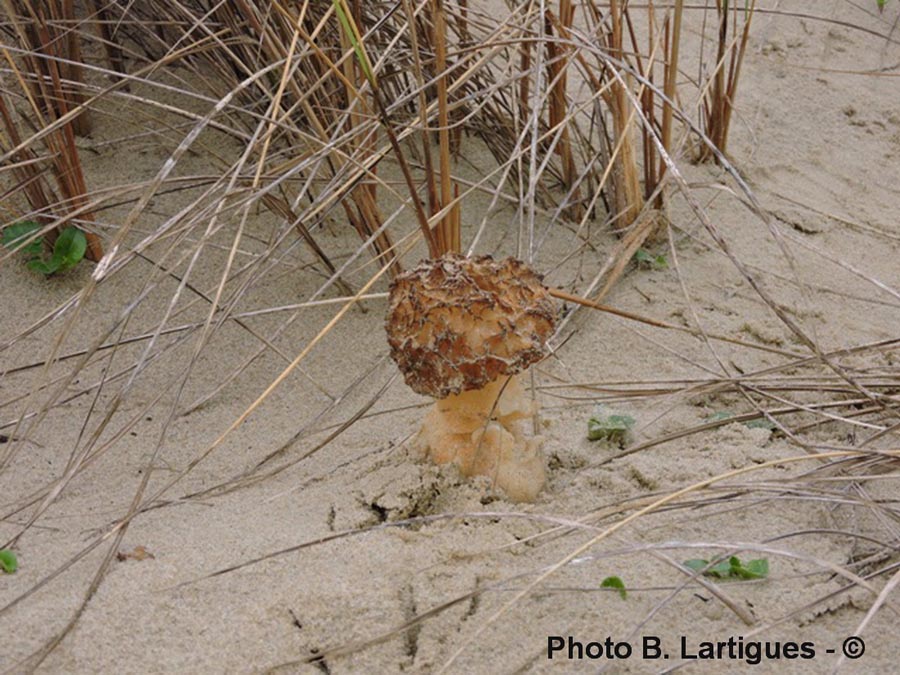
{"points": [[732, 568], [353, 36], [696, 564], [39, 265], [646, 259], [755, 569], [615, 582], [610, 427], [761, 423], [722, 570], [8, 561], [758, 423], [14, 235], [69, 249]]}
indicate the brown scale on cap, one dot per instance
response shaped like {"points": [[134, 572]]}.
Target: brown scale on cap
{"points": [[456, 323]]}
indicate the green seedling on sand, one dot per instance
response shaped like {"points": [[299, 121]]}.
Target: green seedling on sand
{"points": [[617, 583], [8, 561], [644, 258], [16, 234], [68, 250], [732, 568], [609, 427], [759, 423]]}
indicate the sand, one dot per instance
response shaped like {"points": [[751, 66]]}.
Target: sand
{"points": [[358, 537]]}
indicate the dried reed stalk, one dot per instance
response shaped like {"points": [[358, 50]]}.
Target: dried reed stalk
{"points": [[629, 199], [449, 227], [673, 43], [557, 63], [718, 102], [114, 52]]}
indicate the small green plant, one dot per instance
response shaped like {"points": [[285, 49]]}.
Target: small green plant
{"points": [[617, 583], [8, 561], [647, 260], [68, 250], [14, 234], [758, 423], [732, 568], [610, 427]]}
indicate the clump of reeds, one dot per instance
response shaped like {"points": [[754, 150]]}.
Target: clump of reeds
{"points": [[47, 102], [441, 72]]}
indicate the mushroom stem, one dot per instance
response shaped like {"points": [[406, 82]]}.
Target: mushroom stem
{"points": [[484, 433]]}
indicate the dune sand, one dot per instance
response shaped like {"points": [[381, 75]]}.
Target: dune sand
{"points": [[817, 138]]}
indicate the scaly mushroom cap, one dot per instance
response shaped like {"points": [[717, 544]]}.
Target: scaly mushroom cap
{"points": [[457, 323]]}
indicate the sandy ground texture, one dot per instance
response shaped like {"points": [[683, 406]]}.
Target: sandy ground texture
{"points": [[350, 548]]}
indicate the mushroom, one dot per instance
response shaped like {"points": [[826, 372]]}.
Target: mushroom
{"points": [[462, 330]]}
